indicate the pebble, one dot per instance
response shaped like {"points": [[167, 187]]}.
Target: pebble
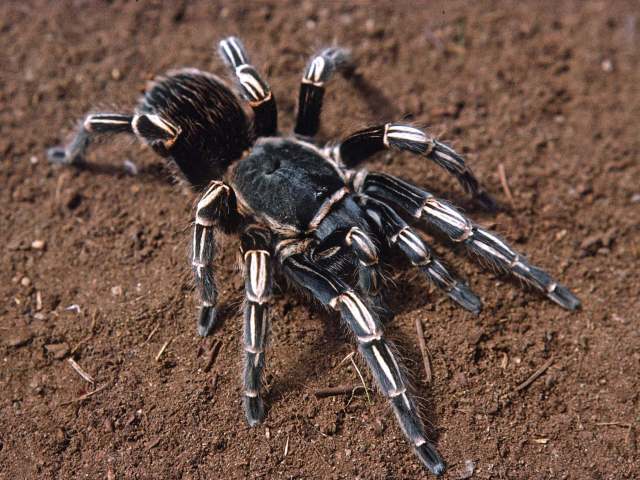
{"points": [[116, 291], [18, 340], [590, 244], [57, 350], [38, 244], [25, 282]]}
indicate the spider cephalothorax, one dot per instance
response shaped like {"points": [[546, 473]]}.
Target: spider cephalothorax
{"points": [[306, 209]]}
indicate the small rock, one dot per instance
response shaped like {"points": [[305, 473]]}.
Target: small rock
{"points": [[561, 234], [591, 244], [153, 443], [38, 244], [57, 350], [607, 65], [71, 199], [25, 282], [608, 237], [469, 468], [460, 380], [116, 291], [19, 339], [116, 74], [108, 426]]}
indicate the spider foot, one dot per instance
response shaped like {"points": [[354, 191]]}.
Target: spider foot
{"points": [[487, 202], [463, 296], [554, 291], [207, 321], [253, 410], [430, 458], [59, 156]]}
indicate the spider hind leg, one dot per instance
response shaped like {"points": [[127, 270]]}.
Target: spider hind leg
{"points": [[405, 239], [484, 244], [377, 351], [360, 145]]}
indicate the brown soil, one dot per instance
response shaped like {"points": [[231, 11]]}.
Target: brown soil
{"points": [[548, 90]]}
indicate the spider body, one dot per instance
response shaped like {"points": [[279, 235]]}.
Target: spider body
{"points": [[287, 180], [307, 210]]}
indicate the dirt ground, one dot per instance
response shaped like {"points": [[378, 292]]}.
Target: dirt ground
{"points": [[94, 265]]}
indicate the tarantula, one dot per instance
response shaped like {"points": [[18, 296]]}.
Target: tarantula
{"points": [[304, 209]]}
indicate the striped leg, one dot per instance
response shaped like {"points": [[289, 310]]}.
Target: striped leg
{"points": [[367, 253], [405, 238], [93, 125], [378, 352], [254, 89], [318, 72], [158, 133], [448, 220], [257, 274], [216, 209], [364, 143]]}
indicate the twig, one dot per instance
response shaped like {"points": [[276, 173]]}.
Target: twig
{"points": [[213, 355], [80, 343], [348, 357], [339, 390], [364, 385], [162, 349], [505, 185], [153, 332], [84, 397], [80, 371], [426, 357], [617, 424], [535, 375]]}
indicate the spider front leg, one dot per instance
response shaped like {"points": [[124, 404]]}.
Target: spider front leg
{"points": [[258, 281], [378, 352], [216, 209], [362, 144], [406, 239], [318, 72], [254, 89], [458, 228], [151, 129]]}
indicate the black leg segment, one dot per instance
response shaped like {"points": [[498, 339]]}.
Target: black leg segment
{"points": [[406, 239], [364, 143], [319, 71], [378, 352], [216, 209], [446, 219], [254, 88], [92, 126], [257, 281]]}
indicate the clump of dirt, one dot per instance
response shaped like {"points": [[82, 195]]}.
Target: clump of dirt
{"points": [[94, 266]]}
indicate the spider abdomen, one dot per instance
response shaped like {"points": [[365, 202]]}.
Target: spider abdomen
{"points": [[214, 130]]}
